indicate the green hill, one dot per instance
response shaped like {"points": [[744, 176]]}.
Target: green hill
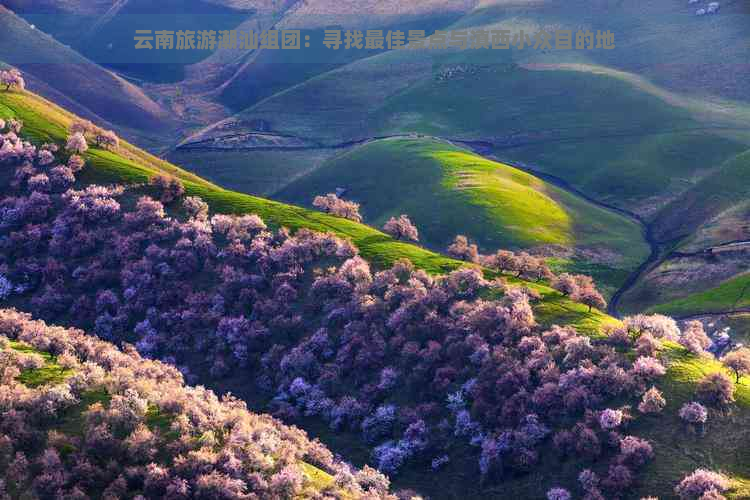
{"points": [[600, 132], [707, 199], [447, 190], [57, 70], [46, 122], [731, 296]]}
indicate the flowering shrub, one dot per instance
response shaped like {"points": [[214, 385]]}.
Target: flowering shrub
{"points": [[652, 401], [401, 228], [119, 443], [701, 482], [334, 205], [412, 362], [610, 419], [716, 389], [694, 413], [559, 494]]}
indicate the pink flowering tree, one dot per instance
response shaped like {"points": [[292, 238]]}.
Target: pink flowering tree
{"points": [[12, 78], [107, 139], [332, 204], [700, 482], [461, 249], [716, 389], [76, 143], [652, 401], [694, 413], [401, 228], [738, 361]]}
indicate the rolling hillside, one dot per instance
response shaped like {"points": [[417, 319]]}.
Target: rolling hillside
{"points": [[447, 190], [599, 132], [704, 231], [65, 72], [46, 122]]}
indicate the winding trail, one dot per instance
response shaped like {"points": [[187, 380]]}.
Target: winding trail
{"points": [[483, 149]]}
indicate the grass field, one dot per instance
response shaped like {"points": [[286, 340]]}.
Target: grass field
{"points": [[447, 190], [258, 172], [727, 187], [719, 449], [732, 295], [601, 133]]}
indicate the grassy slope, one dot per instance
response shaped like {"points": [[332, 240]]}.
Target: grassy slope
{"points": [[708, 198], [597, 131], [720, 450], [649, 39], [731, 295], [447, 190], [46, 122], [602, 130], [711, 212]]}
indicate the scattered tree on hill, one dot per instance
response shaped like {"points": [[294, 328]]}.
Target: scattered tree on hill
{"points": [[107, 139], [716, 389], [75, 163], [12, 78], [566, 284], [401, 228], [461, 249], [658, 325], [701, 482], [77, 143], [652, 401], [81, 126], [591, 297], [694, 337], [610, 419], [738, 361], [334, 205], [559, 494], [168, 188], [694, 413]]}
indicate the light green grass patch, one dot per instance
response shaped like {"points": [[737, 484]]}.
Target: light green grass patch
{"points": [[50, 373], [732, 295]]}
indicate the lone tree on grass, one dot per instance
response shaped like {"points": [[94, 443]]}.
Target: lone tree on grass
{"points": [[12, 78], [401, 228], [334, 205], [738, 361]]}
